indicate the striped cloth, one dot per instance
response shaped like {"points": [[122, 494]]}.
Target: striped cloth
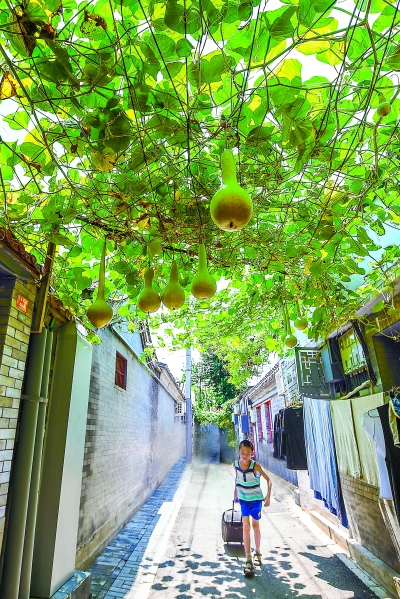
{"points": [[248, 483], [321, 456]]}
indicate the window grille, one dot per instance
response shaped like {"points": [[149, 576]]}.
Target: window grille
{"points": [[268, 421], [120, 371]]}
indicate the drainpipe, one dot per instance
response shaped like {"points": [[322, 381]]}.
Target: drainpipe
{"points": [[26, 570], [188, 396], [22, 468]]}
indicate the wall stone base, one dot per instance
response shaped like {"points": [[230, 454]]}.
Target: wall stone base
{"points": [[381, 573], [77, 587]]}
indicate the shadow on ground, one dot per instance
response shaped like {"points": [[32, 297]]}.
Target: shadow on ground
{"points": [[282, 575]]}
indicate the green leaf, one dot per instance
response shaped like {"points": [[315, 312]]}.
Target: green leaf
{"points": [[60, 239], [19, 121], [212, 69], [271, 344], [378, 306], [282, 28], [184, 48], [295, 131], [394, 60]]}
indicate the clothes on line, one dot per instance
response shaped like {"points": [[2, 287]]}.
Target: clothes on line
{"points": [[321, 457], [295, 442], [394, 416], [392, 458], [373, 427], [348, 459], [278, 435], [366, 447]]}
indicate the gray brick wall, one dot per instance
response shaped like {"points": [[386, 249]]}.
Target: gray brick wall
{"points": [[278, 467], [366, 524], [15, 328], [133, 439]]}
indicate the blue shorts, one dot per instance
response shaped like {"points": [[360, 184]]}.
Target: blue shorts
{"points": [[251, 508]]}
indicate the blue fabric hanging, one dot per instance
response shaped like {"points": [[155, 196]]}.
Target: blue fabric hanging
{"points": [[321, 456]]}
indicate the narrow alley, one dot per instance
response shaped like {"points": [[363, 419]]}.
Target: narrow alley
{"points": [[173, 549]]}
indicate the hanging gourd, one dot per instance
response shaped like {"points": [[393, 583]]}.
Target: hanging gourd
{"points": [[231, 207], [300, 323], [100, 313], [384, 107], [173, 296], [290, 340], [149, 300], [203, 285]]}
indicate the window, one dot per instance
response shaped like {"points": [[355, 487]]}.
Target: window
{"points": [[259, 424], [120, 371], [268, 421]]}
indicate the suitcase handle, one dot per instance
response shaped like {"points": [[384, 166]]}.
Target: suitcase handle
{"points": [[233, 509]]}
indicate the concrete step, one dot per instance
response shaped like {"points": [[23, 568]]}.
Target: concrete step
{"points": [[374, 567]]}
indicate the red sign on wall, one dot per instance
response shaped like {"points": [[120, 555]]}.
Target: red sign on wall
{"points": [[22, 303]]}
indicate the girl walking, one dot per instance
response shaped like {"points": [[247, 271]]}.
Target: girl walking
{"points": [[249, 494]]}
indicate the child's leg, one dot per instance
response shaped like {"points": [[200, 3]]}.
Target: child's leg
{"points": [[257, 533], [246, 536]]}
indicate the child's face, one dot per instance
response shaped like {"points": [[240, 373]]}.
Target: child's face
{"points": [[245, 454]]}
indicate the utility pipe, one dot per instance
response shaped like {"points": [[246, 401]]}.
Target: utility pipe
{"points": [[188, 396], [26, 570], [22, 468]]}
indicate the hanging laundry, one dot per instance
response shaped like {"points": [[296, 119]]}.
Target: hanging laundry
{"points": [[392, 458], [394, 419], [345, 439], [373, 427], [366, 447], [321, 458], [295, 442], [279, 437], [275, 440]]}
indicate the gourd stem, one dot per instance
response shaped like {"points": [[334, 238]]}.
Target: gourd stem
{"points": [[148, 277], [100, 289], [287, 320], [299, 314], [174, 273], [202, 257], [228, 168]]}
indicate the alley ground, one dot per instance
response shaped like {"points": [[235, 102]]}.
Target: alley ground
{"points": [[173, 549]]}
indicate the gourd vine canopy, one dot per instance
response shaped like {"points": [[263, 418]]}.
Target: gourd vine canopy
{"points": [[115, 114]]}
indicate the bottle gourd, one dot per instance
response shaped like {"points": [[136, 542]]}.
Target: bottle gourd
{"points": [[231, 207], [290, 340], [203, 285], [173, 296], [149, 300], [100, 313], [301, 322]]}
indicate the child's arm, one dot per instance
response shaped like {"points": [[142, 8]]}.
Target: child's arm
{"points": [[267, 498], [235, 493]]}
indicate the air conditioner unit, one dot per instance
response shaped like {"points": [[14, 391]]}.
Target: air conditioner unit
{"points": [[179, 409], [253, 416]]}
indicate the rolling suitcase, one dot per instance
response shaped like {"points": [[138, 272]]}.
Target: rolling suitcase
{"points": [[232, 526]]}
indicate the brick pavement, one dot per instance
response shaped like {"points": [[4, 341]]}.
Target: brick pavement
{"points": [[114, 571]]}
